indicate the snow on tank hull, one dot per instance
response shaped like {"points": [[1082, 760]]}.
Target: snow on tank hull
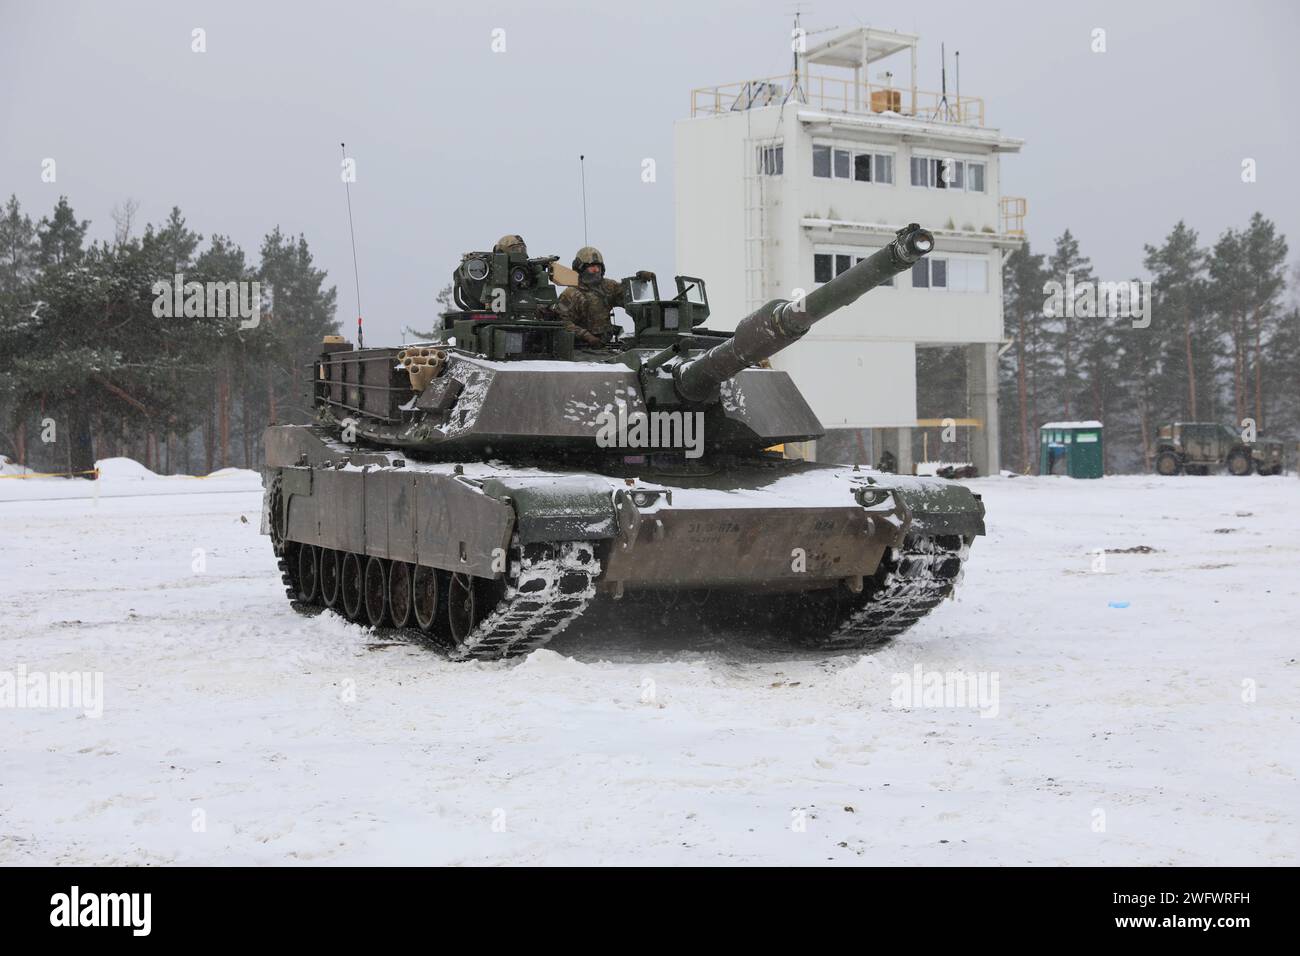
{"points": [[493, 559]]}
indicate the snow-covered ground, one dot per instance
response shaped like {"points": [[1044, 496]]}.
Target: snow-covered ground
{"points": [[1160, 730]]}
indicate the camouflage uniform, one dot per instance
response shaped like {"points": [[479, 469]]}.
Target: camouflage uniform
{"points": [[587, 308]]}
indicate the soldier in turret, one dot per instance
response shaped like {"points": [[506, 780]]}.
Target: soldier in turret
{"points": [[586, 308]]}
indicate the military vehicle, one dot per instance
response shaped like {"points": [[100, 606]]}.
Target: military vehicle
{"points": [[1196, 447], [486, 487]]}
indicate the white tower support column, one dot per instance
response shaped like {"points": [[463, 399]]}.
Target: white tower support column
{"points": [[982, 382], [904, 440]]}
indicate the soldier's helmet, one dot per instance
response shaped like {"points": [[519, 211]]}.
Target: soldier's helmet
{"points": [[588, 255], [511, 244]]}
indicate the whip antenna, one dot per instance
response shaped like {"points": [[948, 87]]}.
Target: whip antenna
{"points": [[582, 166], [356, 273]]}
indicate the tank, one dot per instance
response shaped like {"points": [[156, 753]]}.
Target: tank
{"points": [[487, 488]]}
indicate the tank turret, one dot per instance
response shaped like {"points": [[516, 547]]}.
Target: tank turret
{"points": [[494, 389]]}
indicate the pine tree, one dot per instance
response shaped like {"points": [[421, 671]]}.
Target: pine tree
{"points": [[19, 252], [239, 357], [61, 236], [20, 317], [1281, 363], [1179, 316], [1027, 362], [302, 312], [1265, 262], [173, 242], [1065, 262]]}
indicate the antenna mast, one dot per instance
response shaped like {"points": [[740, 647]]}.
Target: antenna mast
{"points": [[356, 273], [943, 73], [582, 166], [796, 90]]}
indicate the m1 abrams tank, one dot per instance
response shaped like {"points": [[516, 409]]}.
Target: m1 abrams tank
{"points": [[486, 488]]}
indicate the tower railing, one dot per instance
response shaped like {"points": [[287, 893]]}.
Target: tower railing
{"points": [[840, 95], [1013, 209]]}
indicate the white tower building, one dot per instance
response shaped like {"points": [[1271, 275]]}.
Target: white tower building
{"points": [[781, 183]]}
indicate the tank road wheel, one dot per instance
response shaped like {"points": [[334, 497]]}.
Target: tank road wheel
{"points": [[399, 593], [424, 597], [463, 607], [376, 592], [352, 587], [308, 574], [330, 574], [1167, 464], [1239, 464]]}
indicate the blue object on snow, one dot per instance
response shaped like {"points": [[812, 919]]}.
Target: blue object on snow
{"points": [[1118, 604]]}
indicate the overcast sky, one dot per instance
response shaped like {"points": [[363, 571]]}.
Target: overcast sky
{"points": [[456, 144]]}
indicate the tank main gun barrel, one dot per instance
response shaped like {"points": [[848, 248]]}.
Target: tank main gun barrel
{"points": [[781, 322]]}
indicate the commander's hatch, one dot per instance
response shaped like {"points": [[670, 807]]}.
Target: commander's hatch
{"points": [[656, 317]]}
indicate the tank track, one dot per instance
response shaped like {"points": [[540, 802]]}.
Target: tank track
{"points": [[548, 586], [910, 583]]}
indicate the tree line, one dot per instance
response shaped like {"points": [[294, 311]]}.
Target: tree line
{"points": [[91, 367], [1218, 342]]}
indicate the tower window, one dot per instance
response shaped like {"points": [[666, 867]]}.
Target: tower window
{"points": [[771, 160], [822, 162], [933, 173], [827, 265]]}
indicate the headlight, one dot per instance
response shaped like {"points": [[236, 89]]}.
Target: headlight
{"points": [[476, 269], [870, 497], [642, 499]]}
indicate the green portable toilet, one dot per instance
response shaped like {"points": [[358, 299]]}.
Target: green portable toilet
{"points": [[1072, 449]]}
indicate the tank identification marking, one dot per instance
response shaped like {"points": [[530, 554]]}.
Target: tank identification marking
{"points": [[711, 532]]}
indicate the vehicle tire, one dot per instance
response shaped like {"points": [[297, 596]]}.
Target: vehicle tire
{"points": [[1168, 464], [1240, 464], [352, 587], [376, 592], [399, 594]]}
